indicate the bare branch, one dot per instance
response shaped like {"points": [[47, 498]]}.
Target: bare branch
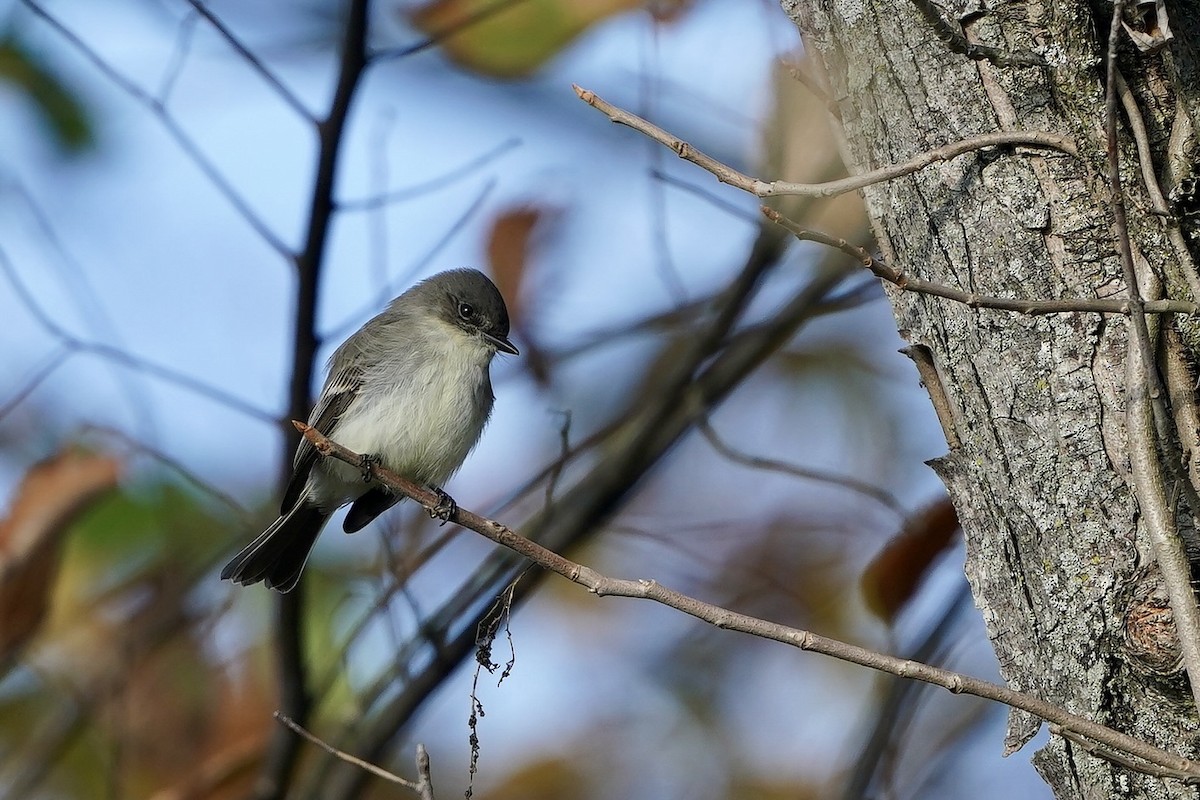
{"points": [[1147, 419], [255, 63], [902, 280], [173, 128], [727, 174], [178, 467], [801, 75], [604, 586], [1158, 203], [947, 413], [467, 169], [474, 18], [179, 56], [378, 772], [870, 491], [76, 281], [1117, 758], [119, 356], [953, 36], [389, 290], [55, 360]]}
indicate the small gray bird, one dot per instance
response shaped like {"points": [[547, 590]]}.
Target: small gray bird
{"points": [[411, 390]]}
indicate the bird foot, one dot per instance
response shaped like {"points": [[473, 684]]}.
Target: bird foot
{"points": [[367, 464], [445, 508]]}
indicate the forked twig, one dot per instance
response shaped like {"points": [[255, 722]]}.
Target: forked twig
{"points": [[903, 280], [342, 755], [729, 175]]}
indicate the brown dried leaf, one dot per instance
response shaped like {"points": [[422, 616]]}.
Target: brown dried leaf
{"points": [[510, 246], [667, 11], [50, 497], [895, 574]]}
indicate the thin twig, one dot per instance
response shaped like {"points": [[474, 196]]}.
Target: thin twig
{"points": [[729, 175], [179, 57], [564, 454], [1141, 138], [604, 586], [465, 170], [118, 355], [870, 491], [1158, 203], [1117, 758], [173, 128], [1147, 421], [255, 63], [949, 416], [377, 771], [55, 360], [744, 213], [1183, 418], [902, 280], [391, 289], [176, 466], [798, 73], [953, 36], [79, 285]]}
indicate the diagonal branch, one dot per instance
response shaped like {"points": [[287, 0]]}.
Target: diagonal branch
{"points": [[247, 55], [729, 175], [862, 488], [341, 755], [482, 14], [171, 125], [1147, 756], [71, 344], [638, 442], [902, 280]]}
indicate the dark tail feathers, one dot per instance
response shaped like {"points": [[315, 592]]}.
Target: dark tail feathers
{"points": [[278, 555]]}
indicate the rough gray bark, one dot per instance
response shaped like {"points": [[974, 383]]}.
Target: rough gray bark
{"points": [[1057, 559]]}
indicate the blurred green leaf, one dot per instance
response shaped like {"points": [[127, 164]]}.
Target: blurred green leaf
{"points": [[59, 107], [513, 38], [149, 522]]}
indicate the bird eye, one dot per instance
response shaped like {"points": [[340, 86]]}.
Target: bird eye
{"points": [[466, 311]]}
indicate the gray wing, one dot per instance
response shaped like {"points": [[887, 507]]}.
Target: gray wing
{"points": [[336, 397]]}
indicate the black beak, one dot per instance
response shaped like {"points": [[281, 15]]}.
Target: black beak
{"points": [[501, 343]]}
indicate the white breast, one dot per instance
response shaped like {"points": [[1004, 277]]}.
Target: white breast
{"points": [[420, 419]]}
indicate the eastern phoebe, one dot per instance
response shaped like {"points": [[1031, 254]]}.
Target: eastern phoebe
{"points": [[411, 390]]}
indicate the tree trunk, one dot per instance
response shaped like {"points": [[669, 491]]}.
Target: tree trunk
{"points": [[1038, 465]]}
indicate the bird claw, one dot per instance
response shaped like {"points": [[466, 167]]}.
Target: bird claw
{"points": [[367, 464], [445, 507]]}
